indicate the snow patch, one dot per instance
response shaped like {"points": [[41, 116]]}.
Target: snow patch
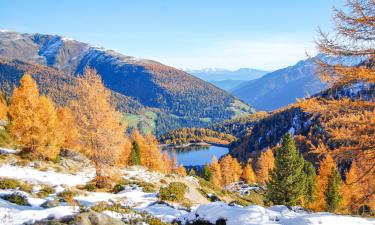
{"points": [[45, 177], [253, 214]]}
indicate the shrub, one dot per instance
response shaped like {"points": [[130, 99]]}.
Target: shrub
{"points": [[147, 187], [104, 206], [26, 187], [45, 191], [117, 188], [90, 186], [175, 191], [6, 183], [17, 198], [68, 196], [155, 221]]}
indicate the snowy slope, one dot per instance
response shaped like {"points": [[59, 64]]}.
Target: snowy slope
{"points": [[138, 200]]}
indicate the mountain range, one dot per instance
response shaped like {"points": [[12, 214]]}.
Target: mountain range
{"points": [[172, 97], [227, 79]]}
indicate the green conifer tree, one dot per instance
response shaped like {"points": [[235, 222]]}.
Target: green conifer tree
{"points": [[192, 172], [135, 154], [206, 173], [288, 179], [310, 192], [333, 197]]}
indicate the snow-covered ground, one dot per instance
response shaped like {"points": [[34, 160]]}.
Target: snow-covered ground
{"points": [[139, 200], [257, 215]]}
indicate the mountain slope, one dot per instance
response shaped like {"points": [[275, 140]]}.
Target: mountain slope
{"points": [[281, 87], [224, 74], [227, 85], [227, 79], [182, 99], [326, 118]]}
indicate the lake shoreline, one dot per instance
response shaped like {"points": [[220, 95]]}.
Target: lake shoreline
{"points": [[191, 144]]}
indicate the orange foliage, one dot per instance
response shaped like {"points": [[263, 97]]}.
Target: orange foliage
{"points": [[216, 172], [100, 131], [230, 170], [248, 174], [264, 163], [34, 120]]}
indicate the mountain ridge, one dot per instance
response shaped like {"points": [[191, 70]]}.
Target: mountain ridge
{"points": [[183, 99]]}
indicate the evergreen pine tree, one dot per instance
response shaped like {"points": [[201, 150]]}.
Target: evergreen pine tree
{"points": [[333, 197], [310, 193], [206, 173], [192, 172], [135, 158], [287, 183]]}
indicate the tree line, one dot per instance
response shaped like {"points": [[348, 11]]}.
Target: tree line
{"points": [[195, 135]]}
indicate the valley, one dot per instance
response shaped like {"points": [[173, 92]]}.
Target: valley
{"points": [[95, 136]]}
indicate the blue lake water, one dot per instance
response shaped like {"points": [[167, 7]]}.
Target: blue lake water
{"points": [[198, 155]]}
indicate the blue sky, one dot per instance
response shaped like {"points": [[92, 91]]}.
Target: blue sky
{"points": [[190, 34]]}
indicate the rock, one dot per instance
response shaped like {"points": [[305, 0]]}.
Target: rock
{"points": [[85, 218], [94, 218], [51, 203]]}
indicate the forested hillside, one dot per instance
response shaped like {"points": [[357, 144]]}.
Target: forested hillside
{"points": [[180, 98]]}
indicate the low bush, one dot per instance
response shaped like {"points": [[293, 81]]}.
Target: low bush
{"points": [[175, 191], [118, 188], [17, 198], [45, 191], [147, 187], [90, 187], [104, 206], [68, 196]]}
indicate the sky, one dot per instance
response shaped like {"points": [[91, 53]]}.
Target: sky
{"points": [[187, 34]]}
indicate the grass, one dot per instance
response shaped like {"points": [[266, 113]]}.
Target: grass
{"points": [[217, 193], [6, 139], [7, 183], [145, 122]]}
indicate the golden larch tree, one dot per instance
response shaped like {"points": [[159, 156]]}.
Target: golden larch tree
{"points": [[34, 121], [352, 189], [324, 172], [181, 171], [100, 130], [216, 172], [264, 163], [248, 174], [3, 107], [230, 170], [68, 128], [167, 162]]}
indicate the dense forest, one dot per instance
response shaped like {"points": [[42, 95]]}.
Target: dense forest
{"points": [[195, 135]]}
